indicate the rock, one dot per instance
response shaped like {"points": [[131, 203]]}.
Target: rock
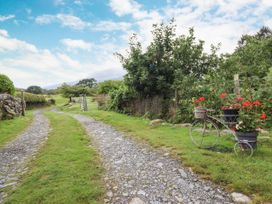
{"points": [[109, 194], [141, 192], [156, 122], [10, 106], [136, 201], [182, 173], [239, 198]]}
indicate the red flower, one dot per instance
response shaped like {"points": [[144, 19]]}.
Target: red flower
{"points": [[196, 101], [223, 95], [239, 99], [247, 104], [201, 98], [263, 116], [257, 103]]}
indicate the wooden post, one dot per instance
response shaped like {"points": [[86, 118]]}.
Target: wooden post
{"points": [[23, 103], [237, 85]]}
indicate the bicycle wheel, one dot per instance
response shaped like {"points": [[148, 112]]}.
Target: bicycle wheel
{"points": [[204, 133], [243, 149]]}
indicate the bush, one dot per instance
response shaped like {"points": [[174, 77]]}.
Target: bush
{"points": [[6, 85], [34, 100]]}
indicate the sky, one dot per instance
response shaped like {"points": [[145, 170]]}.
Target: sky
{"points": [[48, 42]]}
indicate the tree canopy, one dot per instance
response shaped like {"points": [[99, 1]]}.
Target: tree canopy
{"points": [[6, 85], [34, 89]]}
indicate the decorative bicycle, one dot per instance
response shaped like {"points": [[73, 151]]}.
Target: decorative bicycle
{"points": [[207, 129]]}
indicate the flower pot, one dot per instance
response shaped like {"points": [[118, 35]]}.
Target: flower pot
{"points": [[249, 137], [230, 115], [200, 112]]}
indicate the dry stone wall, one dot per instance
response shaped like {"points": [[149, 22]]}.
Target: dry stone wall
{"points": [[10, 106]]}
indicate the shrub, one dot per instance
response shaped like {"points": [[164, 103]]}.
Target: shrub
{"points": [[34, 100], [6, 85]]}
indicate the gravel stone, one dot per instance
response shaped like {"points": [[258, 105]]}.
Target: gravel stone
{"points": [[15, 155], [239, 198], [157, 178]]}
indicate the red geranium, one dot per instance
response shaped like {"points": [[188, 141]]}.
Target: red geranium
{"points": [[239, 99], [263, 116], [201, 98], [247, 104], [223, 95], [257, 103]]}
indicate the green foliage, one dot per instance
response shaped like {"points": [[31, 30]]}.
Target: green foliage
{"points": [[34, 90], [6, 85], [91, 82], [107, 86], [69, 91], [33, 100], [119, 97]]}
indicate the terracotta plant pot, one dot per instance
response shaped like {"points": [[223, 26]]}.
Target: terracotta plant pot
{"points": [[200, 112], [249, 137], [230, 115]]}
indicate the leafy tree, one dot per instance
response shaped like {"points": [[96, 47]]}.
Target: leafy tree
{"points": [[91, 82], [107, 86], [34, 90], [68, 91], [6, 85]]}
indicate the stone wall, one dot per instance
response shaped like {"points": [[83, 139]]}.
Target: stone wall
{"points": [[10, 106]]}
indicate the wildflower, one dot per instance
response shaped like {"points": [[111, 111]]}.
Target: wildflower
{"points": [[201, 98]]}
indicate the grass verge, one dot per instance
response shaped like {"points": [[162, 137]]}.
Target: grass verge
{"points": [[66, 170], [251, 176], [9, 129]]}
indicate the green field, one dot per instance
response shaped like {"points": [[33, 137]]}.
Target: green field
{"points": [[66, 170], [9, 129], [251, 176]]}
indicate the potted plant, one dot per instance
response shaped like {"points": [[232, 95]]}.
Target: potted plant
{"points": [[230, 107], [250, 118], [200, 110]]}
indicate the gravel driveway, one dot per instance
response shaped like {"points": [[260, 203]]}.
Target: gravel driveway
{"points": [[14, 155], [137, 174]]}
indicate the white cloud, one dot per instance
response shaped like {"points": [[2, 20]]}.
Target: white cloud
{"points": [[4, 18], [4, 33], [59, 2], [42, 67], [76, 44], [65, 20], [111, 26], [11, 44]]}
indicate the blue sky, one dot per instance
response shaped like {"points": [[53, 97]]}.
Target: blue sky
{"points": [[45, 42]]}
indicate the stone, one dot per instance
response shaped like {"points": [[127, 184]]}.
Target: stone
{"points": [[141, 192], [156, 122], [10, 106], [136, 201], [239, 198], [182, 173], [109, 194]]}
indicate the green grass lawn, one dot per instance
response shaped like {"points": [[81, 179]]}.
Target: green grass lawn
{"points": [[9, 129], [251, 176], [66, 170]]}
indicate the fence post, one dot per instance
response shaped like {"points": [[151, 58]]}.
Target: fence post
{"points": [[23, 102], [237, 85], [85, 106]]}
